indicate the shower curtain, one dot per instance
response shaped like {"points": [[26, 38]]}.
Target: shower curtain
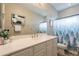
{"points": [[67, 30]]}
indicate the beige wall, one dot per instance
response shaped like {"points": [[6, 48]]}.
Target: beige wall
{"points": [[69, 11], [31, 21]]}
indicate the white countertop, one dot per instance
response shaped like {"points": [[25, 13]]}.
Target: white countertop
{"points": [[22, 42]]}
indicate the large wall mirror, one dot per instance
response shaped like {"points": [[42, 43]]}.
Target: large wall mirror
{"points": [[43, 27], [2, 12], [0, 17]]}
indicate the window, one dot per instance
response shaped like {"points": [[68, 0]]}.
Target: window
{"points": [[43, 27]]}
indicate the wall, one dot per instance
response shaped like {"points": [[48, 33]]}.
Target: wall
{"points": [[69, 11], [31, 19]]}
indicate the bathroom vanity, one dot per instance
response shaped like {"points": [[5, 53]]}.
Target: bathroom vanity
{"points": [[26, 45]]}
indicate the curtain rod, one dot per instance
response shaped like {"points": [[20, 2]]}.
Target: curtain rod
{"points": [[68, 16]]}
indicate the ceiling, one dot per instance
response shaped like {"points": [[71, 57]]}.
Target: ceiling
{"points": [[63, 6], [39, 7], [35, 8]]}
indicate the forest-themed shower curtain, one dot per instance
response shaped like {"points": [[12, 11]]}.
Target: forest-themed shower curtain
{"points": [[67, 30]]}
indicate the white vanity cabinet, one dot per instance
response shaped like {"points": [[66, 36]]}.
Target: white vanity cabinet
{"points": [[47, 48], [45, 45]]}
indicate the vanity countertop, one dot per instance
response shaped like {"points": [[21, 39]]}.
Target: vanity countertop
{"points": [[19, 43]]}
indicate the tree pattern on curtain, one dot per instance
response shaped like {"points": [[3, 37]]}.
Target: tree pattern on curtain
{"points": [[67, 30]]}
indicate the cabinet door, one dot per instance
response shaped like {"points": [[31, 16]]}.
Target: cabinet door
{"points": [[40, 49], [26, 52], [51, 48], [41, 53], [54, 47]]}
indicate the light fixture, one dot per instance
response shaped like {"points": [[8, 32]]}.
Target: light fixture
{"points": [[69, 4], [39, 5]]}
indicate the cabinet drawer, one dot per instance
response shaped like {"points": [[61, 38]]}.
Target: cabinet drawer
{"points": [[26, 52], [39, 47], [52, 43]]}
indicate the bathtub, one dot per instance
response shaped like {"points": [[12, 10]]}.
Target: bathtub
{"points": [[62, 46]]}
